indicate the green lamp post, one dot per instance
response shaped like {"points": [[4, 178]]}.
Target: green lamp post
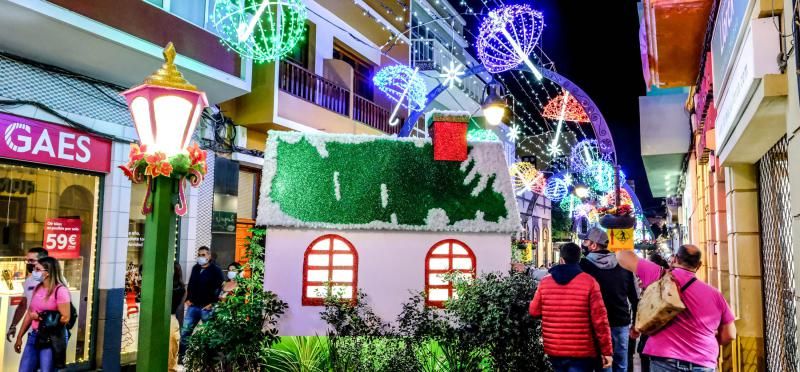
{"points": [[165, 111]]}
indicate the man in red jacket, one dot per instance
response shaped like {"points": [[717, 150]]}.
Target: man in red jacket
{"points": [[574, 318]]}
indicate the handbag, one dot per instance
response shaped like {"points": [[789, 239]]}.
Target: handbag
{"points": [[660, 303]]}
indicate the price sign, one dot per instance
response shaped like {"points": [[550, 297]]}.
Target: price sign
{"points": [[62, 237]]}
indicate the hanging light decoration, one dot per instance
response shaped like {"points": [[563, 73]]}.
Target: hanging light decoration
{"points": [[262, 30], [402, 85], [556, 189], [574, 110], [508, 36], [583, 155], [526, 177], [609, 199], [600, 176]]}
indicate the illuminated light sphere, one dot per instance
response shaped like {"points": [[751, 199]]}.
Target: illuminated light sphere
{"points": [[525, 177], [556, 189], [569, 201], [495, 50], [402, 85], [601, 176], [584, 154], [574, 110], [263, 30]]}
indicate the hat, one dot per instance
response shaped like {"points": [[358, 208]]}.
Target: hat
{"points": [[595, 234]]}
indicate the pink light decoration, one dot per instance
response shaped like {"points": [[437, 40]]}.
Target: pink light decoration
{"points": [[574, 111], [624, 198]]}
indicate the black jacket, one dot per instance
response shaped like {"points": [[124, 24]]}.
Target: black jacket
{"points": [[616, 284], [204, 285]]}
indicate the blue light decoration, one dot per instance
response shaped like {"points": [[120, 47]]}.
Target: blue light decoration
{"points": [[556, 189], [508, 36], [600, 176], [583, 155], [262, 30], [402, 85]]}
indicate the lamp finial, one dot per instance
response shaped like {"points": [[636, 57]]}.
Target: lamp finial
{"points": [[168, 75]]}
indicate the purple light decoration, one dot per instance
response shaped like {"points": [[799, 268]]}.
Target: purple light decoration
{"points": [[508, 36], [402, 84]]}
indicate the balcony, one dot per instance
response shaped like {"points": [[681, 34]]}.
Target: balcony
{"points": [[338, 102]]}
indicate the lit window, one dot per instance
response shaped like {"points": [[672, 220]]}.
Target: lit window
{"points": [[447, 256], [330, 263]]}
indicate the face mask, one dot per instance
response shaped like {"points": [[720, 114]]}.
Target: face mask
{"points": [[202, 261], [29, 267], [38, 276], [585, 250], [232, 275]]}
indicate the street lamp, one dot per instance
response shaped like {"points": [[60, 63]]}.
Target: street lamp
{"points": [[494, 106], [165, 111], [581, 191]]}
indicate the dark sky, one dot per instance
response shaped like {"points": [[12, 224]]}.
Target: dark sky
{"points": [[596, 45]]}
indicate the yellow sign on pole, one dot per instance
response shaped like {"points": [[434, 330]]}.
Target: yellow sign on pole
{"points": [[620, 239]]}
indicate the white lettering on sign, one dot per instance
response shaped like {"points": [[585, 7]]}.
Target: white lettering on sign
{"points": [[68, 147]]}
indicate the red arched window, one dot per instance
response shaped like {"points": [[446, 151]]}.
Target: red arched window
{"points": [[330, 263], [444, 257]]}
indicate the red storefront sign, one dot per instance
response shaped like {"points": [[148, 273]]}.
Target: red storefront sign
{"points": [[46, 143], [62, 237]]}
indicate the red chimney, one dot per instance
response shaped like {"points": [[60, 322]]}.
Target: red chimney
{"points": [[449, 132]]}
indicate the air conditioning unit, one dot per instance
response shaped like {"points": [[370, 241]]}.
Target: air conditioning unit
{"points": [[241, 136]]}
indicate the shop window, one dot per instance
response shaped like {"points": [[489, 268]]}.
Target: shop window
{"points": [[299, 55], [133, 275], [446, 257], [57, 210], [362, 70], [330, 264], [247, 204]]}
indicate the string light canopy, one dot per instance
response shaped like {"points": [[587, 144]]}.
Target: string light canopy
{"points": [[402, 85], [508, 36], [262, 30], [574, 110]]}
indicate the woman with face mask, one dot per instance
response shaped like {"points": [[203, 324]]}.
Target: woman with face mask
{"points": [[234, 272], [50, 300]]}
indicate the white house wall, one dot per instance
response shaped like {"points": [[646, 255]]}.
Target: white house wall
{"points": [[391, 265]]}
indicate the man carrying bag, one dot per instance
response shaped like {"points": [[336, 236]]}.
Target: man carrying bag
{"points": [[691, 340]]}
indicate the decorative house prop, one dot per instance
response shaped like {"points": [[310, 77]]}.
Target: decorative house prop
{"points": [[352, 213], [449, 132], [619, 222]]}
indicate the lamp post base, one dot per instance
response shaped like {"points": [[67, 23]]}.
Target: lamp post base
{"points": [[157, 271]]}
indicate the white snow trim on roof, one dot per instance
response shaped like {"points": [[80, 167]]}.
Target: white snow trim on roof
{"points": [[337, 192], [437, 219], [270, 213], [319, 140], [449, 112]]}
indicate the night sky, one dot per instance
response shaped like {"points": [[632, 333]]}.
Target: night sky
{"points": [[596, 45]]}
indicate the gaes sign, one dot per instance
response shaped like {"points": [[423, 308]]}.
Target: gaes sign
{"points": [[62, 237], [40, 142]]}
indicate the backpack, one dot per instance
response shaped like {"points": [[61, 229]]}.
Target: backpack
{"points": [[660, 303]]}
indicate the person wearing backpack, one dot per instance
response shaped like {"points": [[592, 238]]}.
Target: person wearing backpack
{"points": [[691, 340], [48, 317]]}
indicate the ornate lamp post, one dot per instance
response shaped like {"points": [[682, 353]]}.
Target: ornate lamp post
{"points": [[165, 110]]}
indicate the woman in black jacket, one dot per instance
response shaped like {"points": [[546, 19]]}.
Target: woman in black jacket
{"points": [[178, 296]]}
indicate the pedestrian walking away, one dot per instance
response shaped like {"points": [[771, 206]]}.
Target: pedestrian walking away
{"points": [[690, 341], [619, 292], [201, 294], [574, 318]]}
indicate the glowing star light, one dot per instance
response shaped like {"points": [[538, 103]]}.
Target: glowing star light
{"points": [[554, 150], [452, 75], [262, 30], [574, 112], [508, 36], [513, 134]]}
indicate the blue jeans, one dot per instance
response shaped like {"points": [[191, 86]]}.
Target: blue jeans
{"points": [[33, 359], [194, 314], [619, 339], [573, 364], [674, 365]]}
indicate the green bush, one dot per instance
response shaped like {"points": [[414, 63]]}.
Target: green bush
{"points": [[298, 354], [243, 327]]}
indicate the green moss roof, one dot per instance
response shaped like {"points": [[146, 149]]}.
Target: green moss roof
{"points": [[383, 183]]}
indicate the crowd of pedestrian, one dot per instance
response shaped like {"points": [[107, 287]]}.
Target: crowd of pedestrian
{"points": [[588, 303]]}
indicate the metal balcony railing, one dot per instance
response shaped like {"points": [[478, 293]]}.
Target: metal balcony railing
{"points": [[310, 87], [367, 112]]}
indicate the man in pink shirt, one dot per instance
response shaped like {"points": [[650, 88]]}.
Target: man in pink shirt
{"points": [[691, 341]]}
